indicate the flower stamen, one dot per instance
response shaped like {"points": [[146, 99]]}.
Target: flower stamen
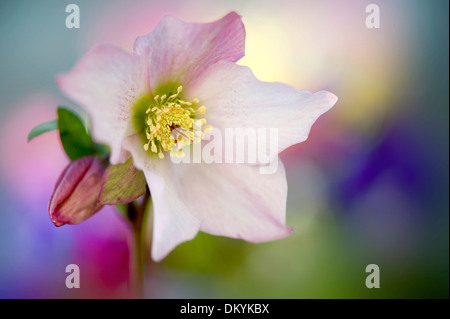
{"points": [[172, 124]]}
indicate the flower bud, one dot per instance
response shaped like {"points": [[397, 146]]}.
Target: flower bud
{"points": [[75, 196]]}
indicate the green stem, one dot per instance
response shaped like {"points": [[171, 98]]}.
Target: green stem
{"points": [[138, 217]]}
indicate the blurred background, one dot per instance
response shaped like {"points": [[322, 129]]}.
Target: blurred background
{"points": [[370, 186]]}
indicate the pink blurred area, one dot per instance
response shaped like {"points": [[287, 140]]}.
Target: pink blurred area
{"points": [[29, 170]]}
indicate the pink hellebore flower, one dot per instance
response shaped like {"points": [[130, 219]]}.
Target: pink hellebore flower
{"points": [[180, 76]]}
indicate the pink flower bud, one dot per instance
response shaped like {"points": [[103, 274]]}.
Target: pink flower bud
{"points": [[75, 196]]}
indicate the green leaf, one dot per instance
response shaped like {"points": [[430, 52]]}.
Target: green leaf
{"points": [[43, 128], [122, 183], [74, 136]]}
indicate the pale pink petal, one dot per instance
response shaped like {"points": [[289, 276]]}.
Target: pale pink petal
{"points": [[75, 196], [235, 98], [172, 221], [106, 82], [235, 200], [222, 199], [180, 51]]}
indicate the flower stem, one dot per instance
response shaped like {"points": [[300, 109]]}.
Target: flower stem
{"points": [[138, 216]]}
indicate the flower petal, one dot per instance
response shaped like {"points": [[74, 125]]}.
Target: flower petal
{"points": [[75, 196], [105, 82], [172, 221], [179, 51], [235, 98], [235, 200], [222, 199]]}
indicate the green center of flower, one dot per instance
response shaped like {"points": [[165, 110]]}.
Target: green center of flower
{"points": [[172, 123]]}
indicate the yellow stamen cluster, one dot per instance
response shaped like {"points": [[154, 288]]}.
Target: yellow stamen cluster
{"points": [[173, 123]]}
